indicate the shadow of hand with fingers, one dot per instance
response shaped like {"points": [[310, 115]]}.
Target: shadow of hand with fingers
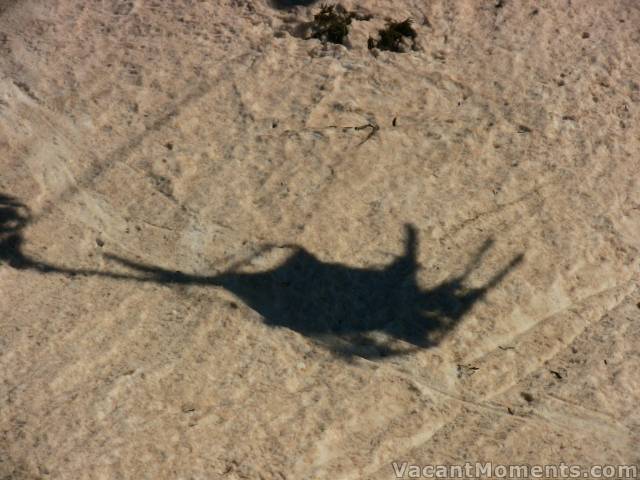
{"points": [[370, 312]]}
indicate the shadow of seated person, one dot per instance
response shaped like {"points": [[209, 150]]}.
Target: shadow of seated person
{"points": [[371, 312], [346, 308]]}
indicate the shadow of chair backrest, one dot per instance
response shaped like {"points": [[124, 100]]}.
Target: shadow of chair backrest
{"points": [[353, 311]]}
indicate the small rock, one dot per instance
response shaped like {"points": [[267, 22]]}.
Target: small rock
{"points": [[527, 396]]}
